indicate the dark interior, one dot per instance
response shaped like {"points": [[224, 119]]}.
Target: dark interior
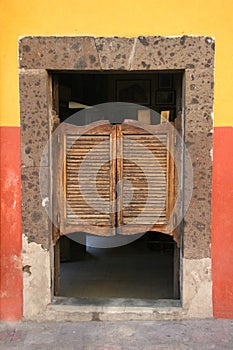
{"points": [[157, 91], [144, 268]]}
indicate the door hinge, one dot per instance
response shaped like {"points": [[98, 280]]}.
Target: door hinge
{"points": [[58, 221], [174, 220]]}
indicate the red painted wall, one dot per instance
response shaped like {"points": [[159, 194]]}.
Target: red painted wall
{"points": [[222, 223], [10, 225]]}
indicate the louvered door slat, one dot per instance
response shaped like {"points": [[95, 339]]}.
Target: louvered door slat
{"points": [[145, 168], [88, 180], [94, 161], [87, 175]]}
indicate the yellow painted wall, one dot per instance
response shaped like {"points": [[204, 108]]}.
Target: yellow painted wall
{"points": [[122, 18]]}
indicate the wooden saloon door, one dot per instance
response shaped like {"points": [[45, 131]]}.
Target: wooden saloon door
{"points": [[146, 175], [115, 178], [86, 179]]}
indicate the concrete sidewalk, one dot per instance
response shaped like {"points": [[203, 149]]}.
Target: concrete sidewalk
{"points": [[131, 335]]}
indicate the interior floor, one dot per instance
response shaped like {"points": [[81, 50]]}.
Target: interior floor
{"points": [[142, 269]]}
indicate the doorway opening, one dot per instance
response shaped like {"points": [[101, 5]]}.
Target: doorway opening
{"points": [[142, 269], [147, 268]]}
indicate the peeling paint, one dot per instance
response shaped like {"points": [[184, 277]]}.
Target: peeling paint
{"points": [[17, 261], [3, 294], [37, 279], [197, 287], [10, 182], [10, 240], [45, 202], [26, 269], [211, 154]]}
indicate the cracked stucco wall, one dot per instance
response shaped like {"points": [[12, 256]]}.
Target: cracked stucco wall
{"points": [[37, 289], [197, 288]]}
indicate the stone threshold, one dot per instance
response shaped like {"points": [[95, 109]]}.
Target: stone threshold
{"points": [[112, 309]]}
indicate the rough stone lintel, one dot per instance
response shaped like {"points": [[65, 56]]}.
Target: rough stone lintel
{"points": [[116, 53]]}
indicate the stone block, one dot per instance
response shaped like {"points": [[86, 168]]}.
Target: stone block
{"points": [[34, 216], [155, 52], [197, 220], [199, 89], [33, 115], [59, 53], [115, 53]]}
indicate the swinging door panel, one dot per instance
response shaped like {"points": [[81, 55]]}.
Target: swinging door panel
{"points": [[146, 178], [87, 179], [115, 178]]}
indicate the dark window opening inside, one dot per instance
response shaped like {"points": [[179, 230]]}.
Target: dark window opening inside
{"points": [[156, 91]]}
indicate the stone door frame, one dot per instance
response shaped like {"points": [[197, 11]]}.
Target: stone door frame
{"points": [[38, 57]]}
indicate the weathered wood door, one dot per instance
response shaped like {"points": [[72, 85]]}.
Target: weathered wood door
{"points": [[114, 179], [145, 169], [86, 179]]}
